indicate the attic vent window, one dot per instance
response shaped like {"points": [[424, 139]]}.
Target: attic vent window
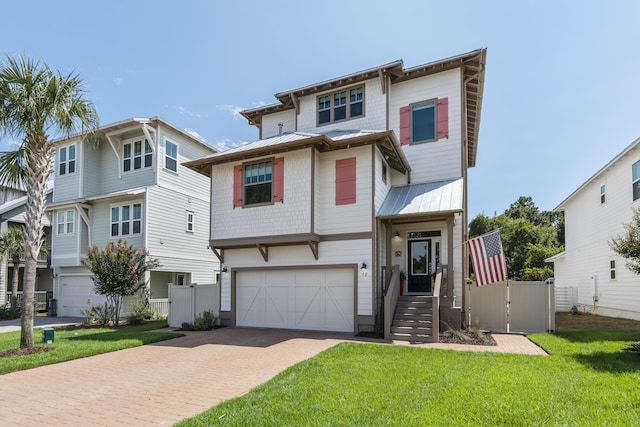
{"points": [[342, 105]]}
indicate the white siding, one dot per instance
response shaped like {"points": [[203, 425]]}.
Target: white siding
{"points": [[270, 123], [351, 218], [67, 187], [330, 253], [291, 217], [590, 225], [381, 187], [90, 167], [374, 113], [440, 159]]}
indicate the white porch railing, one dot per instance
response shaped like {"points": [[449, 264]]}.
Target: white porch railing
{"points": [[160, 306], [40, 299]]}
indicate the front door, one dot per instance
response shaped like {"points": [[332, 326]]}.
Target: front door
{"points": [[419, 277]]}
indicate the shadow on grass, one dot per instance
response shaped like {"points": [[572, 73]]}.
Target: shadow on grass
{"points": [[617, 363], [588, 336]]}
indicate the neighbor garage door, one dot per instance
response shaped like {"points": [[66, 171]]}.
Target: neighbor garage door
{"points": [[76, 294], [311, 299]]}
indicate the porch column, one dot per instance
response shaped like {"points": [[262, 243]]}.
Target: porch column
{"points": [[387, 253], [450, 272]]}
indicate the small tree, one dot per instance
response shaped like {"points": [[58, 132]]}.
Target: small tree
{"points": [[12, 245], [118, 271], [627, 245]]}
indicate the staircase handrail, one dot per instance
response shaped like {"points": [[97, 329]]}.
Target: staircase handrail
{"points": [[391, 300]]}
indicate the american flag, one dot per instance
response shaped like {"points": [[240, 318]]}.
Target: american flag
{"points": [[487, 257]]}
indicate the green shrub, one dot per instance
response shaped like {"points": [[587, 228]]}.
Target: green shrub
{"points": [[8, 313], [205, 321]]}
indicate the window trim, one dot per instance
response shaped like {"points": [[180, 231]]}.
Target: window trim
{"points": [[244, 198], [167, 156], [67, 162], [132, 157], [347, 105], [435, 121], [384, 172], [188, 222], [66, 222], [131, 220], [603, 194], [635, 182], [612, 270]]}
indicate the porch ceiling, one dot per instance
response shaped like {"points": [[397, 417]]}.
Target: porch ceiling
{"points": [[423, 199]]}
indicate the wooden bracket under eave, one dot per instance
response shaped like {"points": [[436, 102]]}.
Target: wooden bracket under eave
{"points": [[314, 248], [264, 251], [220, 254]]}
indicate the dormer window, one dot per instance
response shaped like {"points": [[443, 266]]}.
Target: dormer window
{"points": [[343, 105]]}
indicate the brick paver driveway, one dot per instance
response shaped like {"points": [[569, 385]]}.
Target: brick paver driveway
{"points": [[157, 384]]}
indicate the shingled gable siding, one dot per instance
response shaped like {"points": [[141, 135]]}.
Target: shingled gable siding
{"points": [[278, 182], [346, 181], [443, 121]]}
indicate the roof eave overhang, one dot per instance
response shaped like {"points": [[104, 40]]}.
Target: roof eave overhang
{"points": [[385, 140], [418, 216]]}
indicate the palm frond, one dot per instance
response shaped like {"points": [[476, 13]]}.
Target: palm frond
{"points": [[12, 171]]}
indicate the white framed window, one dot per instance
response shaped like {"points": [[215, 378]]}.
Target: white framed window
{"points": [[258, 183], [126, 219], [342, 105], [424, 121], [189, 220], [180, 279], [133, 156], [65, 221], [612, 269], [170, 155], [384, 172], [67, 159], [603, 194]]}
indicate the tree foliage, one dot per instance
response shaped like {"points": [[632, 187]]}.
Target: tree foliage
{"points": [[529, 236], [627, 245], [36, 102], [118, 271]]}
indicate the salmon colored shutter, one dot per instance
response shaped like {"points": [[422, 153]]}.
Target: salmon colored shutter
{"points": [[346, 181], [405, 122], [443, 118], [237, 186], [278, 180]]}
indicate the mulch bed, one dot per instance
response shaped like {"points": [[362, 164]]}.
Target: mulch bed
{"points": [[467, 338], [25, 351]]}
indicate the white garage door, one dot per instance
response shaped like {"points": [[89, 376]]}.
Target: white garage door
{"points": [[76, 294], [315, 299]]}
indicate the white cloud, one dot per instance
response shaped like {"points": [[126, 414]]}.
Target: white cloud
{"points": [[194, 134], [236, 109], [226, 144], [118, 81], [188, 113]]}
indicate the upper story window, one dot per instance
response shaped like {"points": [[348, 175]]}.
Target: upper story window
{"points": [[133, 158], [384, 172], [126, 219], [343, 105], [603, 192], [170, 156], [67, 159], [612, 269], [258, 183], [66, 222], [424, 121], [635, 179], [189, 219]]}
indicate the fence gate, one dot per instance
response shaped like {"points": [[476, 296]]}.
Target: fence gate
{"points": [[187, 302], [526, 307]]}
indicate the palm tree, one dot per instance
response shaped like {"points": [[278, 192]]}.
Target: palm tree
{"points": [[12, 244], [34, 101]]}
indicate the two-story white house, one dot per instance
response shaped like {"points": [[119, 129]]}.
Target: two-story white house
{"points": [[594, 214], [350, 177], [130, 185]]}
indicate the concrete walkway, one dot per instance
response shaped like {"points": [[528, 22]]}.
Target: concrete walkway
{"points": [[163, 383]]}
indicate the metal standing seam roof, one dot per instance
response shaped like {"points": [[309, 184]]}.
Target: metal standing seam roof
{"points": [[423, 198]]}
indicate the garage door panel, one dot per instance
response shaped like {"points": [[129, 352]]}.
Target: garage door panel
{"points": [[76, 295], [313, 299]]}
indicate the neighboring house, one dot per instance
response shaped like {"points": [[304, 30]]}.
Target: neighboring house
{"points": [[594, 214], [350, 177], [130, 185], [12, 212]]}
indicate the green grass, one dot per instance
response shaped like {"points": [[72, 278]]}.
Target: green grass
{"points": [[588, 379], [76, 343]]}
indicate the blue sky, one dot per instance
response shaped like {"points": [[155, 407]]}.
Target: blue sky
{"points": [[561, 90]]}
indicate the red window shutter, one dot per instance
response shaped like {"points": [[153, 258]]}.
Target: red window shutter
{"points": [[278, 180], [405, 123], [443, 118], [346, 181], [237, 186]]}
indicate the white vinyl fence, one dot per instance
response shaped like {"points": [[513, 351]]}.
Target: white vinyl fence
{"points": [[187, 302], [526, 307], [566, 298]]}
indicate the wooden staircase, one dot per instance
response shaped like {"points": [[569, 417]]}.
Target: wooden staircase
{"points": [[413, 320]]}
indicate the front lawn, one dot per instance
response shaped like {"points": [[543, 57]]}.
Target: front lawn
{"points": [[76, 343], [588, 379]]}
